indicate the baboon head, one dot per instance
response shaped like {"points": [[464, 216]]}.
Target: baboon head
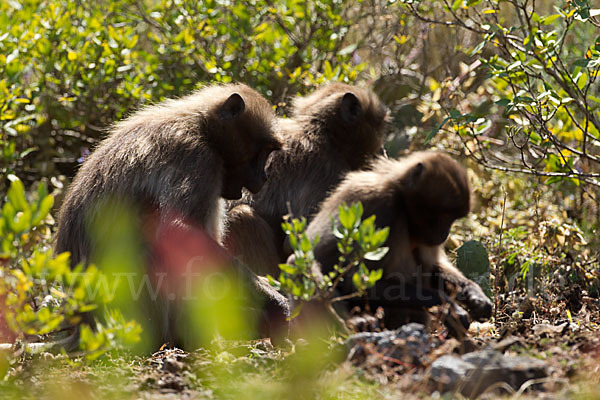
{"points": [[352, 117], [240, 126], [435, 192]]}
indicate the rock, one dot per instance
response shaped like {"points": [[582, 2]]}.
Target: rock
{"points": [[170, 364], [549, 330], [407, 345], [474, 373], [507, 343]]}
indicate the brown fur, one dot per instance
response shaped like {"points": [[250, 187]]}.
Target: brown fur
{"points": [[177, 157], [336, 129], [252, 240], [418, 197]]}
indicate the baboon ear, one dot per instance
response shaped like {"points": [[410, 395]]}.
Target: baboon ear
{"points": [[232, 107], [414, 175], [350, 108]]}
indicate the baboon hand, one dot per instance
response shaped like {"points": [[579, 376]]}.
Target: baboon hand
{"points": [[479, 305]]}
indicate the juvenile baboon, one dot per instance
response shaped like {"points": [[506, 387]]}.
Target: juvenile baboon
{"points": [[178, 160], [418, 197], [336, 129]]}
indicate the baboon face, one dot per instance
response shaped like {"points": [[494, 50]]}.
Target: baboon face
{"points": [[431, 226], [437, 194], [249, 173], [245, 139]]}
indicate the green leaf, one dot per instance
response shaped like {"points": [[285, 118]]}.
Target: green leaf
{"points": [[375, 275], [474, 262], [357, 281], [305, 244], [21, 221], [42, 191], [8, 211], [16, 195], [550, 19], [296, 289], [43, 210], [286, 227], [377, 255], [380, 237], [293, 241], [347, 50], [514, 65], [346, 216], [289, 269], [273, 282], [583, 62], [357, 208], [473, 258], [327, 71], [455, 114], [477, 49], [87, 308], [431, 134], [363, 269], [503, 102]]}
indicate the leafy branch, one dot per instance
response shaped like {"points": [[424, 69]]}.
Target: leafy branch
{"points": [[358, 241], [544, 99]]}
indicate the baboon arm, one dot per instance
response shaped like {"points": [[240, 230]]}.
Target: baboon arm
{"points": [[272, 307], [468, 292]]}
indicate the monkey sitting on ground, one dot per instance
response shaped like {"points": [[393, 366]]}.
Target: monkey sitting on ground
{"points": [[336, 129], [178, 160], [418, 197]]}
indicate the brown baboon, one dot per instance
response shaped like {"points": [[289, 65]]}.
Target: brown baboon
{"points": [[418, 197], [177, 160], [336, 129]]}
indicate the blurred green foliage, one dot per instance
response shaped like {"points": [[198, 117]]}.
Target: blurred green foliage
{"points": [[41, 294], [358, 241]]}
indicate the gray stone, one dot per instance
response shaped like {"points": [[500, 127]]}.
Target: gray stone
{"points": [[409, 343], [473, 373], [170, 364]]}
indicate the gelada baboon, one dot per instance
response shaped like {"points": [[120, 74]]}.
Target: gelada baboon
{"points": [[418, 197], [336, 129], [177, 158]]}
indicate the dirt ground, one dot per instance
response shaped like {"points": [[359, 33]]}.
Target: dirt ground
{"points": [[569, 349]]}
